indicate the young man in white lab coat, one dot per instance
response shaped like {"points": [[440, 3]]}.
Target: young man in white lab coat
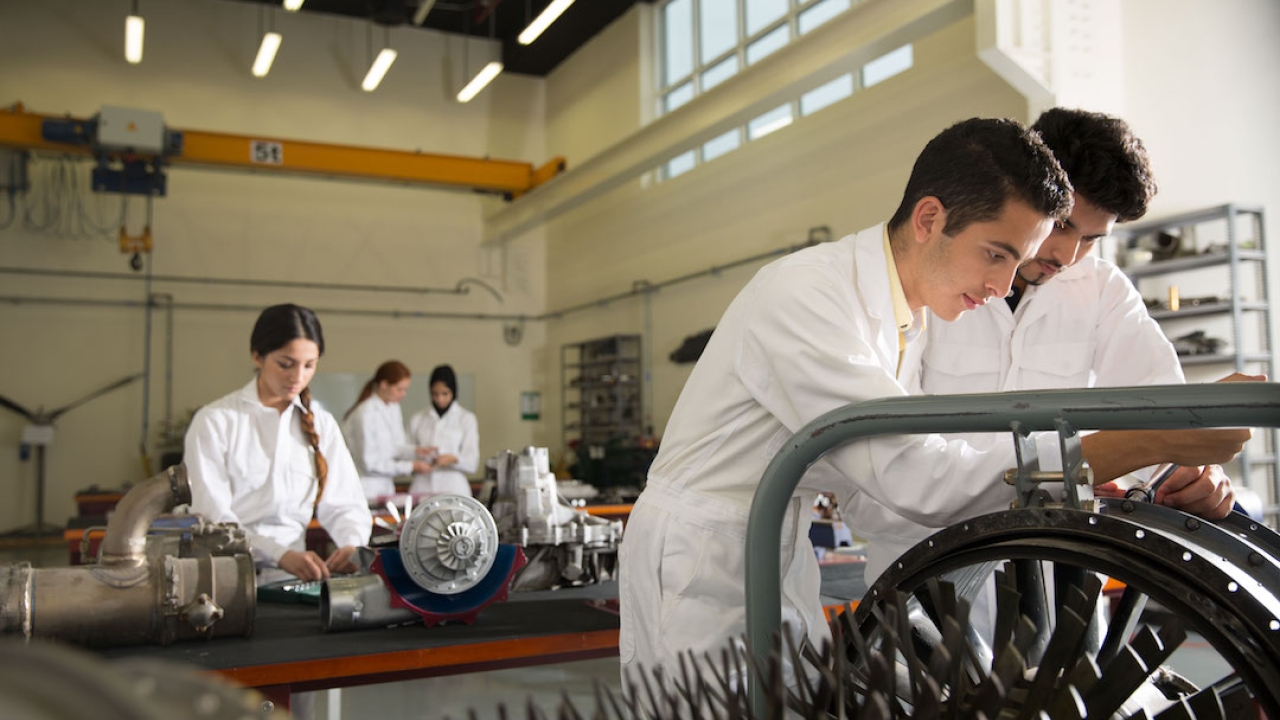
{"points": [[1089, 327], [1072, 320], [824, 327]]}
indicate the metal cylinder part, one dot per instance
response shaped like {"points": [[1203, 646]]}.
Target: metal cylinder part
{"points": [[135, 596], [359, 601]]}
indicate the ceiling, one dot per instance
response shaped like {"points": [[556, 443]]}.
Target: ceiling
{"points": [[501, 19]]}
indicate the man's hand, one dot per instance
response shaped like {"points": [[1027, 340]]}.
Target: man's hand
{"points": [[340, 561], [1241, 377], [1206, 492], [305, 565]]}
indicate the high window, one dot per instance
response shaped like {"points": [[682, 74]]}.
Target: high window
{"points": [[702, 43]]}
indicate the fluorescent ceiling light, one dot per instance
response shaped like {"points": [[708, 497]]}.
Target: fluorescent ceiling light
{"points": [[379, 68], [266, 54], [482, 78], [424, 9], [292, 5], [543, 21], [134, 26]]}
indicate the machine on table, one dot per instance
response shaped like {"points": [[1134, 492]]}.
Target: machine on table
{"points": [[453, 557]]}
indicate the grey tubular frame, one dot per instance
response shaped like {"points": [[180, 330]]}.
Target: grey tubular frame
{"points": [[1156, 407]]}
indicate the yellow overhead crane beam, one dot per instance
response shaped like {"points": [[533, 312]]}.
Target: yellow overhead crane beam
{"points": [[21, 129]]}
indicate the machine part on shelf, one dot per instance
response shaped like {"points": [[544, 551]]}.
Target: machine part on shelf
{"points": [[1197, 343], [447, 566], [448, 543], [1210, 579], [46, 681], [135, 594], [566, 546]]}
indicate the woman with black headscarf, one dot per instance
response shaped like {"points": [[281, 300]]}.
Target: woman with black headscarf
{"points": [[450, 431]]}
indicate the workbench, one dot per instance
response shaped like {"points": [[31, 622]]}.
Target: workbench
{"points": [[289, 652]]}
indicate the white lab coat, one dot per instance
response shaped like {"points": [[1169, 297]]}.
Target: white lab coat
{"points": [[252, 465], [375, 434], [810, 333], [1087, 327], [457, 434]]}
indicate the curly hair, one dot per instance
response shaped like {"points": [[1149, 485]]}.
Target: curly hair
{"points": [[1107, 164]]}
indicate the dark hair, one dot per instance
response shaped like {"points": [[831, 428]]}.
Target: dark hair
{"points": [[278, 326], [445, 374], [975, 166], [1106, 162], [389, 372]]}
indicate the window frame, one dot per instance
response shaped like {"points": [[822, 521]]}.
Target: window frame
{"points": [[692, 158], [791, 19]]}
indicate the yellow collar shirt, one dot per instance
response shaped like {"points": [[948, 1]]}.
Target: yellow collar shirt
{"points": [[910, 323]]}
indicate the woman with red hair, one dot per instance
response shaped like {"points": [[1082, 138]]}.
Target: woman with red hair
{"points": [[374, 428]]}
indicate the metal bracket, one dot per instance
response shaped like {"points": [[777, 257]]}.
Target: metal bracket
{"points": [[1028, 477], [1076, 473]]}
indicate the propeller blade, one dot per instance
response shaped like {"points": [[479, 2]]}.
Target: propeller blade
{"points": [[97, 393], [17, 408]]}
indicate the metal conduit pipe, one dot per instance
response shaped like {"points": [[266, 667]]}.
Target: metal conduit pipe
{"points": [[125, 543], [460, 289], [395, 314], [132, 598], [817, 235]]}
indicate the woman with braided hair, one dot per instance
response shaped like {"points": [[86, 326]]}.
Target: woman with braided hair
{"points": [[265, 458]]}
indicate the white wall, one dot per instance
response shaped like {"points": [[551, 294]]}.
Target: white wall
{"points": [[1202, 90], [66, 56], [844, 167]]}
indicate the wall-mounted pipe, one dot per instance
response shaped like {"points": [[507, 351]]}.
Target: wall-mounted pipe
{"points": [[461, 288], [817, 234], [132, 598]]}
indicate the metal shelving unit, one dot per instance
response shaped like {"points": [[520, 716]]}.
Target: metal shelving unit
{"points": [[1224, 248], [601, 389], [602, 413]]}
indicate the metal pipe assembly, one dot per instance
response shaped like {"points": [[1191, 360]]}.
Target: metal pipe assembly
{"points": [[1046, 658], [139, 593]]}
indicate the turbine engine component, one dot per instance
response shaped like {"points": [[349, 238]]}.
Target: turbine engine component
{"points": [[566, 546], [448, 566], [139, 592], [449, 544], [49, 681]]}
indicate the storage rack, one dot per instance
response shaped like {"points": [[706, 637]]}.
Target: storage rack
{"points": [[1228, 238]]}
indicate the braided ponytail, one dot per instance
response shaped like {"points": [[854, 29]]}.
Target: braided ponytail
{"points": [[277, 326], [309, 429]]}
